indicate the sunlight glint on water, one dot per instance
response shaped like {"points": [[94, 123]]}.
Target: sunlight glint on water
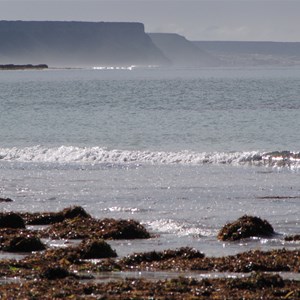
{"points": [[183, 151]]}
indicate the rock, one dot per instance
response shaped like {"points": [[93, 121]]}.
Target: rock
{"points": [[24, 244], [48, 218], [128, 229], [291, 238], [6, 200], [244, 227], [96, 249], [74, 212], [53, 273], [11, 220], [90, 228]]}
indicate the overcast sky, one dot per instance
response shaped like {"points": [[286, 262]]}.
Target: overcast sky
{"points": [[240, 20]]}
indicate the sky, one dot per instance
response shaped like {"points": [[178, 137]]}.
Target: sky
{"points": [[233, 20]]}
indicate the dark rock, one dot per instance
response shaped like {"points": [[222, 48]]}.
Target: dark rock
{"points": [[24, 244], [96, 249], [11, 220], [74, 212], [48, 218], [291, 238], [6, 200], [43, 218], [244, 227], [53, 273]]}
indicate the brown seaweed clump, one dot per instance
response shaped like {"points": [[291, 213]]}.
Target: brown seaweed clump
{"points": [[245, 227], [87, 249], [257, 286], [96, 249], [186, 259], [48, 218], [90, 228], [184, 253]]}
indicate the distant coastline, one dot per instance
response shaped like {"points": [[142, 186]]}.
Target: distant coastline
{"points": [[23, 67]]}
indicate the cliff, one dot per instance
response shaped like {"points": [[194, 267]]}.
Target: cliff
{"points": [[234, 53], [182, 52], [77, 44]]}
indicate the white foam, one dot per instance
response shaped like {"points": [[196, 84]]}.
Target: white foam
{"points": [[128, 68], [180, 229], [122, 209], [94, 155]]}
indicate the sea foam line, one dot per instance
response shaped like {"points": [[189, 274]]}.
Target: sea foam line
{"points": [[94, 155]]}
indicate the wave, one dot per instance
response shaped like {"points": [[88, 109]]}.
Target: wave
{"points": [[179, 228], [98, 155]]}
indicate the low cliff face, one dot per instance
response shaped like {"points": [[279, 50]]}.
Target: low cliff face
{"points": [[77, 44], [182, 52]]}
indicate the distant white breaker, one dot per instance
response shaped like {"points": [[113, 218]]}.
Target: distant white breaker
{"points": [[129, 68]]}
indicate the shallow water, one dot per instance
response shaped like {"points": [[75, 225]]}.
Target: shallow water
{"points": [[105, 276]]}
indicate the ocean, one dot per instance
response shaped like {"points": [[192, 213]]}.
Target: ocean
{"points": [[183, 151]]}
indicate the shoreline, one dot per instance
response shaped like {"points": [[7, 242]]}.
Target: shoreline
{"points": [[12, 67]]}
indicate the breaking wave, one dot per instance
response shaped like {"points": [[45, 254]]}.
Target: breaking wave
{"points": [[178, 228], [97, 155]]}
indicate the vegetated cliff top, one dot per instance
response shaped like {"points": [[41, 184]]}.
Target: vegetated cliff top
{"points": [[72, 43]]}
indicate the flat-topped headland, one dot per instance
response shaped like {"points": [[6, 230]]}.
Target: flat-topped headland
{"points": [[77, 44], [23, 67]]}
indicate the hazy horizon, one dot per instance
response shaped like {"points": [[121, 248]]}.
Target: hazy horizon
{"points": [[214, 20]]}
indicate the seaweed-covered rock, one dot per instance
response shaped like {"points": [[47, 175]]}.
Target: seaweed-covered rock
{"points": [[74, 212], [184, 253], [74, 257], [125, 229], [244, 227], [96, 249], [48, 218], [24, 244], [90, 228], [11, 220], [258, 281]]}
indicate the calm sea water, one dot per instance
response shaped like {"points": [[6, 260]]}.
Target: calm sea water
{"points": [[182, 151]]}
